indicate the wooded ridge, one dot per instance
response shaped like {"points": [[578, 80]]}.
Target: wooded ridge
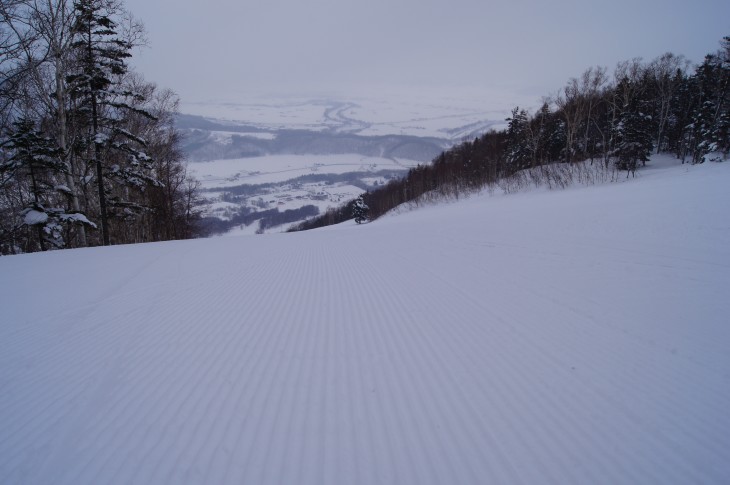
{"points": [[596, 126]]}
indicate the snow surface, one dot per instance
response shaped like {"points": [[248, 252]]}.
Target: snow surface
{"points": [[401, 112], [281, 168], [562, 337], [226, 137], [76, 217], [33, 217]]}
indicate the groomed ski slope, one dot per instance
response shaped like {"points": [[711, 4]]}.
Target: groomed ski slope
{"points": [[569, 337]]}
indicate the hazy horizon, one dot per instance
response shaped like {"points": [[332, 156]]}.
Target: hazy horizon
{"points": [[228, 51]]}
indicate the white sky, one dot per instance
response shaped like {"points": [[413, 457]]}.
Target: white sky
{"points": [[224, 49]]}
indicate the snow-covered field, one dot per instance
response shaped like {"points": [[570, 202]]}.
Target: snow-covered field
{"points": [[283, 191], [226, 137], [565, 337], [281, 168], [424, 114]]}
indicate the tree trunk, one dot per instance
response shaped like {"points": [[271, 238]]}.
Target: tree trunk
{"points": [[62, 135], [97, 151], [39, 229], [99, 174]]}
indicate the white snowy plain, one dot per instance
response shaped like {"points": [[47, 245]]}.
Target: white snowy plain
{"points": [[281, 168], [568, 337], [409, 111]]}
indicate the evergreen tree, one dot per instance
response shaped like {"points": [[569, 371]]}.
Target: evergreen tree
{"points": [[680, 111], [518, 150], [549, 135], [62, 63], [116, 154], [360, 210], [712, 114], [633, 137], [38, 159]]}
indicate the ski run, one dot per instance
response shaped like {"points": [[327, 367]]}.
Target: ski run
{"points": [[549, 337]]}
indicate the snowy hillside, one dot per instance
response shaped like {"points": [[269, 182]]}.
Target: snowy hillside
{"points": [[566, 337]]}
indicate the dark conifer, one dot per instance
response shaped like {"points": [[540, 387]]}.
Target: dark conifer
{"points": [[36, 158], [116, 154], [360, 210]]}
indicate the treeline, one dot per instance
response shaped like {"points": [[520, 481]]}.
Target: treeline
{"points": [[350, 178], [89, 154], [606, 122], [266, 219]]}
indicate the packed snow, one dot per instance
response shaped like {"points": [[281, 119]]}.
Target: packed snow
{"points": [[569, 337]]}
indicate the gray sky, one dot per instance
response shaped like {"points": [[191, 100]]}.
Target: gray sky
{"points": [[216, 49]]}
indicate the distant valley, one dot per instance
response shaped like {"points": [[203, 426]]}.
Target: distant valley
{"points": [[265, 166]]}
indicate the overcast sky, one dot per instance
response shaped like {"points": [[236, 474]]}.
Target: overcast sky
{"points": [[217, 49]]}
